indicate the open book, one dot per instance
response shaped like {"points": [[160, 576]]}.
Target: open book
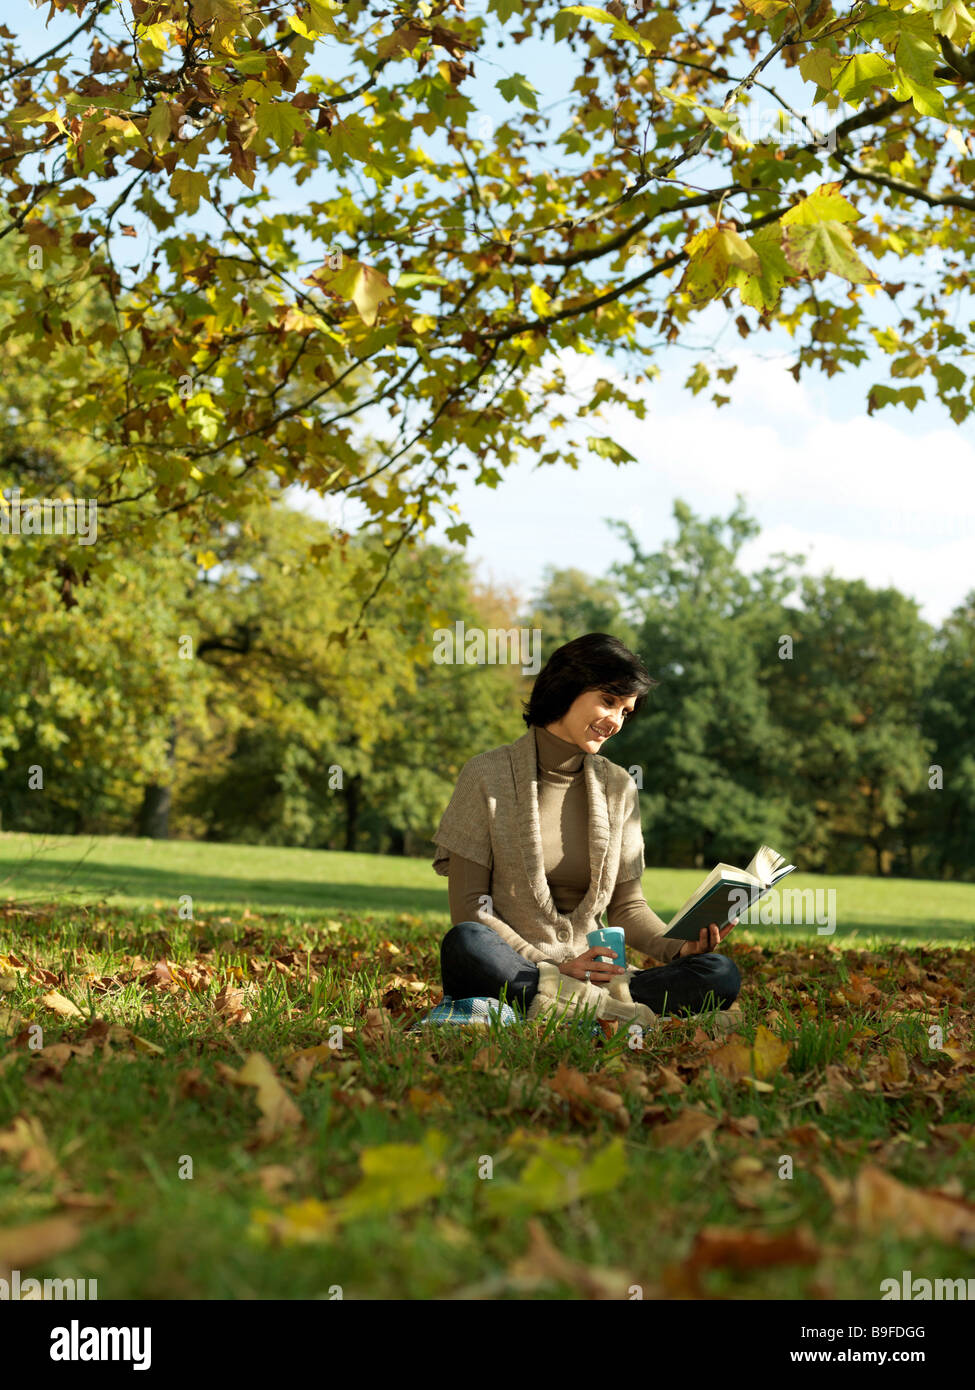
{"points": [[728, 892]]}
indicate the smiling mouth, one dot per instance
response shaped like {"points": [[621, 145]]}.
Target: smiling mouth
{"points": [[599, 732]]}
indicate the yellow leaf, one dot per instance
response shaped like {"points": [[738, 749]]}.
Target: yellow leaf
{"points": [[299, 1223], [897, 1070], [278, 1110], [770, 1053], [160, 124], [187, 187], [369, 291], [541, 300], [60, 1005]]}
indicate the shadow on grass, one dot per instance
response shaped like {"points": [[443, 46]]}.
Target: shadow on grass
{"points": [[79, 883], [92, 881]]}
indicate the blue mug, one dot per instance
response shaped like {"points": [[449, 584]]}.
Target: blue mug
{"points": [[613, 938]]}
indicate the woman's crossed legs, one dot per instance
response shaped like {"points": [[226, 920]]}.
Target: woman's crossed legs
{"points": [[474, 961]]}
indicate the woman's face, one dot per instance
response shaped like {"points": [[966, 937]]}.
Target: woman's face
{"points": [[592, 718]]}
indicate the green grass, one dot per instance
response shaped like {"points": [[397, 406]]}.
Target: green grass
{"points": [[264, 1219], [141, 873]]}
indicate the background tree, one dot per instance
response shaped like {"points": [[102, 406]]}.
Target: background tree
{"points": [[714, 758], [852, 702], [946, 814]]}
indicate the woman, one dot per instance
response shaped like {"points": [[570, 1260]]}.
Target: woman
{"points": [[543, 835]]}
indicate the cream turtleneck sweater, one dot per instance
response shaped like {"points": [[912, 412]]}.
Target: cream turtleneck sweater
{"points": [[563, 812]]}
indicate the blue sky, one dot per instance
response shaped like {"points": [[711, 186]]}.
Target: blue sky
{"points": [[889, 499]]}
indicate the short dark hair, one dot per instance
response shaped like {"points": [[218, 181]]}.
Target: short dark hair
{"points": [[596, 661]]}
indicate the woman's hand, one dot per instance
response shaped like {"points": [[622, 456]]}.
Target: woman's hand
{"points": [[599, 971], [709, 938]]}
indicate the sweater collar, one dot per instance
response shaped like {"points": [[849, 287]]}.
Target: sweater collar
{"points": [[524, 766], [557, 754]]}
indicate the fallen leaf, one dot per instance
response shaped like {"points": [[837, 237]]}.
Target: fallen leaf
{"points": [[486, 1058], [585, 1095], [298, 1223], [689, 1126], [159, 976], [739, 1060], [275, 1176], [60, 1005], [734, 1059], [421, 1101], [278, 1110], [24, 1142], [10, 1022], [672, 1082], [543, 1264], [896, 1072], [24, 1246], [723, 1247], [375, 1025], [885, 1205], [232, 1005]]}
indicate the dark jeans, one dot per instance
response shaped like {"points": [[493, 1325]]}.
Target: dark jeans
{"points": [[474, 961]]}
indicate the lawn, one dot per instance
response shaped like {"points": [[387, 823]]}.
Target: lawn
{"points": [[229, 1106]]}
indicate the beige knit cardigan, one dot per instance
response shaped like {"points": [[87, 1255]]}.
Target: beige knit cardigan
{"points": [[492, 818]]}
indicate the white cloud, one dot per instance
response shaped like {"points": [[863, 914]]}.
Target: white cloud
{"points": [[870, 497]]}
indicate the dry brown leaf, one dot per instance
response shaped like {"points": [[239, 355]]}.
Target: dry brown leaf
{"points": [[689, 1126], [278, 1110], [884, 1204], [740, 1060], [585, 1095], [160, 976], [53, 1057], [59, 1005], [24, 1246], [543, 1264], [10, 1022], [733, 1059], [487, 1058], [724, 1247], [24, 1142], [231, 1004], [750, 1182], [896, 1071], [84, 1201], [672, 1082], [192, 1083], [956, 1133], [275, 1176], [375, 1025], [743, 1125], [421, 1101]]}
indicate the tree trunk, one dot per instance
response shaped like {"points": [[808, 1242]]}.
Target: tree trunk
{"points": [[352, 810], [154, 815], [157, 801]]}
